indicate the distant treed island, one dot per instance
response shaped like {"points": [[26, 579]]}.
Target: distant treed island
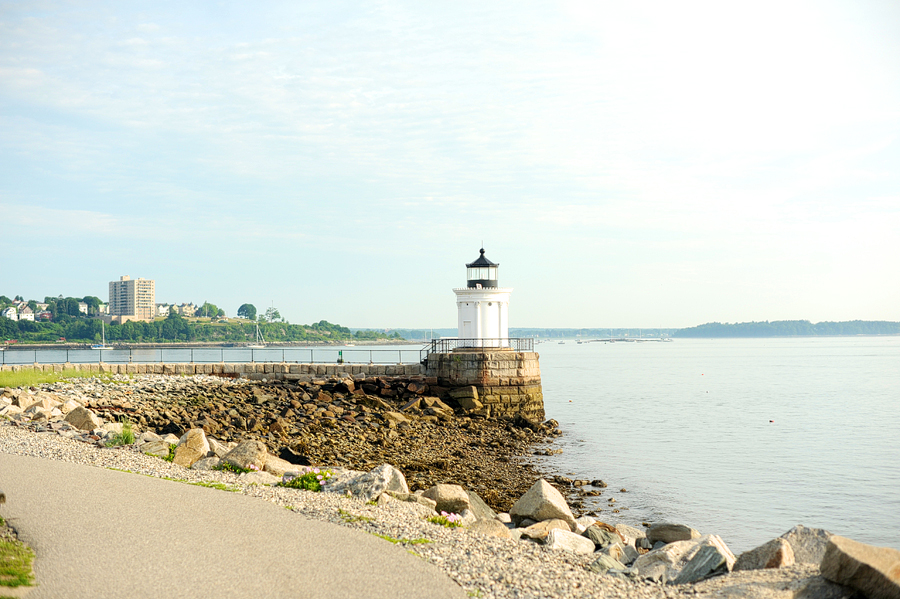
{"points": [[791, 328]]}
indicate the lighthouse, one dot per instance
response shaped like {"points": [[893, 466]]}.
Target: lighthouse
{"points": [[483, 306]]}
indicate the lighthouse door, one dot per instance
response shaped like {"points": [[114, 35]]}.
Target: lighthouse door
{"points": [[467, 331]]}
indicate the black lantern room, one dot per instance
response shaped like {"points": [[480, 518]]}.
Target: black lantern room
{"points": [[482, 273]]}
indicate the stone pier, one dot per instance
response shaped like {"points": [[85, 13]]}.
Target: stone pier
{"points": [[506, 382]]}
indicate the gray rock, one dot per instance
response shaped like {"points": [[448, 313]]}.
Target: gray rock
{"points": [[368, 485], [491, 528], [542, 502], [478, 507], [565, 540], [83, 419], [603, 563], [808, 544], [206, 464], [631, 534], [601, 537], [539, 530], [449, 498], [666, 563], [217, 448], [467, 518], [873, 571], [631, 554], [776, 553], [709, 561], [668, 532], [615, 551], [159, 449], [246, 454], [277, 467], [147, 436]]}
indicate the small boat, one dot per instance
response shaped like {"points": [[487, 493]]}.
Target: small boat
{"points": [[102, 345], [562, 342], [260, 340]]}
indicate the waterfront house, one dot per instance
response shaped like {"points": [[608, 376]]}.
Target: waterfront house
{"points": [[26, 313], [10, 313]]}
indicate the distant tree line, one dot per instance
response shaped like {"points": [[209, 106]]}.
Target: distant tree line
{"points": [[791, 328], [174, 328]]}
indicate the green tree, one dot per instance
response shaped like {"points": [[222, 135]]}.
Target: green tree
{"points": [[272, 314], [247, 311]]}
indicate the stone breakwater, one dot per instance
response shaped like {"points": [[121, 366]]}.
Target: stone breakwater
{"points": [[535, 548]]}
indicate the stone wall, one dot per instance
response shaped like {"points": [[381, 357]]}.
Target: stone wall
{"points": [[256, 371], [507, 382]]}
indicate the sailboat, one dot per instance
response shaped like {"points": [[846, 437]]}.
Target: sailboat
{"points": [[260, 341], [102, 345]]}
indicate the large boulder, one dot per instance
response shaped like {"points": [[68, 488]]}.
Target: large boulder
{"points": [[565, 540], [83, 419], [873, 571], [192, 447], [542, 502], [709, 561], [246, 454], [448, 498], [277, 466], [777, 553], [668, 532], [368, 485], [600, 536], [603, 563], [808, 544], [479, 508], [664, 564]]}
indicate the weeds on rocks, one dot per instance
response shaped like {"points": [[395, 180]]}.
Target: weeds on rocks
{"points": [[171, 456], [449, 520], [126, 437], [229, 467], [404, 541], [310, 479]]}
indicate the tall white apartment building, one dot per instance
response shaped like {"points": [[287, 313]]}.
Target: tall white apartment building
{"points": [[132, 299]]}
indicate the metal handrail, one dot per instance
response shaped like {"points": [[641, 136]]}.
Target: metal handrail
{"points": [[209, 355], [448, 344]]}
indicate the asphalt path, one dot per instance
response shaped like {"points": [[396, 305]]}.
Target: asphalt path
{"points": [[103, 533]]}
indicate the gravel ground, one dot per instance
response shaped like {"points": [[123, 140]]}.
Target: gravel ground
{"points": [[484, 566]]}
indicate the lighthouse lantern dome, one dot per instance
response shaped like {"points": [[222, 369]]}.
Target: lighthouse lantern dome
{"points": [[482, 273]]}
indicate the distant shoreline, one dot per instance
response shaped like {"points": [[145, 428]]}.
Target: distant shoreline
{"points": [[207, 344]]}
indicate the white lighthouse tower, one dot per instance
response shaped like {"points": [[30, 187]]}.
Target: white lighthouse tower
{"points": [[483, 306]]}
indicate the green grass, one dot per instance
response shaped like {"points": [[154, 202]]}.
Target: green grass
{"points": [[29, 378], [348, 517], [404, 541], [171, 455], [15, 564], [209, 485], [229, 467], [126, 437]]}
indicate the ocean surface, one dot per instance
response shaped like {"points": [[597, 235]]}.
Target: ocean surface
{"points": [[744, 438]]}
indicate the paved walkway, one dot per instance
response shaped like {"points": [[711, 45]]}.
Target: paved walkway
{"points": [[102, 533]]}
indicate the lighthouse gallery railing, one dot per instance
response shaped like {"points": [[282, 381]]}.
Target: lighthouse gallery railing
{"points": [[447, 345]]}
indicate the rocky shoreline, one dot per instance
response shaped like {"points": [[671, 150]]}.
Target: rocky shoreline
{"points": [[403, 454]]}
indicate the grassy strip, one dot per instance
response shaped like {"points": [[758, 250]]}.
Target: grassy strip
{"points": [[16, 560], [208, 485], [404, 541], [29, 378], [348, 517]]}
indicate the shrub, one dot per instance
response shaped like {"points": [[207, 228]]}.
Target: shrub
{"points": [[310, 479], [229, 467], [126, 437], [449, 520]]}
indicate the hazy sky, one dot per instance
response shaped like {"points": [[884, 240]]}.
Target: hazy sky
{"points": [[628, 164]]}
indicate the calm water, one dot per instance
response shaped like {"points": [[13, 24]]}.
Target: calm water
{"points": [[685, 427]]}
